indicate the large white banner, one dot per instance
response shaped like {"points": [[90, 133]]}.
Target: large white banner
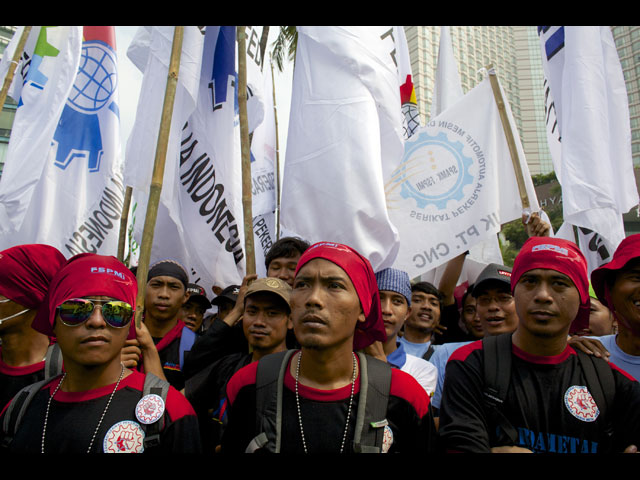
{"points": [[345, 131], [589, 134], [456, 183], [77, 184]]}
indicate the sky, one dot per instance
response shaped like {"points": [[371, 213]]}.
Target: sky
{"points": [[131, 79]]}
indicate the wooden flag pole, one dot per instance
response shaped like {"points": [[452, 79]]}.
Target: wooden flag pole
{"points": [[246, 153], [515, 158], [277, 166], [124, 219], [158, 171], [14, 64]]}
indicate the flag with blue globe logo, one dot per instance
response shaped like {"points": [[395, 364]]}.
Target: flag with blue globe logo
{"points": [[76, 189]]}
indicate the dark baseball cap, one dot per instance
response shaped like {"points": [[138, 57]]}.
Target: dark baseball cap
{"points": [[197, 294], [492, 273], [229, 294]]}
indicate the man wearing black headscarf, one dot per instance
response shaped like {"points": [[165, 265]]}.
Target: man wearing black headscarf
{"points": [[165, 293]]}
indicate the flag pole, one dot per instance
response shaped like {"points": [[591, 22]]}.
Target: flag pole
{"points": [[124, 219], [515, 158], [246, 153], [14, 64], [277, 166], [158, 170]]}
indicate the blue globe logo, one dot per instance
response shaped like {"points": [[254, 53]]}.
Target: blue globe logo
{"points": [[97, 78]]}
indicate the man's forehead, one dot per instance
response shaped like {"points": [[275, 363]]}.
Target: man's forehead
{"points": [[293, 258], [165, 279]]}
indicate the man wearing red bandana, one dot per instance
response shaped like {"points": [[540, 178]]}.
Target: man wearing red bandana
{"points": [[552, 403], [335, 309], [97, 405], [25, 273]]}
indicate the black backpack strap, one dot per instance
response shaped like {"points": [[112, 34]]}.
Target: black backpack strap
{"points": [[428, 353], [17, 408], [53, 361], [269, 388], [375, 383], [154, 385], [497, 373], [602, 386]]}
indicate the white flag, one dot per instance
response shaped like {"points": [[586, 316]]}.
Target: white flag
{"points": [[447, 88], [77, 201], [591, 150], [456, 183], [41, 89], [345, 131], [200, 217]]}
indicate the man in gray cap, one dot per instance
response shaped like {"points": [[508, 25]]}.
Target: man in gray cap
{"points": [[496, 310], [265, 322]]}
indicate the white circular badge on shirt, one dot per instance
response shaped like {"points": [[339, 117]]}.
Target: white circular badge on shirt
{"points": [[124, 437], [581, 404]]}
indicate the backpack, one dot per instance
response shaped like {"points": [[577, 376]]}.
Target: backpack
{"points": [[375, 381], [428, 353], [17, 408], [187, 338], [497, 373]]}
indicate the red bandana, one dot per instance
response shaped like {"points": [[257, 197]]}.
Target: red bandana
{"points": [[87, 274], [628, 250], [361, 275], [560, 255], [26, 271]]}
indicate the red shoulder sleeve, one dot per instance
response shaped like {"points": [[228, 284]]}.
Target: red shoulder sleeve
{"points": [[406, 387], [243, 377], [465, 350]]}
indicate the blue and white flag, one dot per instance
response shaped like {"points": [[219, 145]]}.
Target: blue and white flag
{"points": [[69, 178], [456, 183], [199, 222], [589, 135]]}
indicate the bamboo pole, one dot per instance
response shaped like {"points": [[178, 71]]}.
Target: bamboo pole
{"points": [[506, 126], [245, 150], [124, 219], [158, 171], [277, 166], [14, 64]]}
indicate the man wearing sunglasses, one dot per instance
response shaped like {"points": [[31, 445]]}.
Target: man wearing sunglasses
{"points": [[97, 405], [25, 273]]}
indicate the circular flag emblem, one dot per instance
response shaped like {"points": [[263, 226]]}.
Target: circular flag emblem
{"points": [[149, 409], [387, 439], [581, 404], [124, 437]]}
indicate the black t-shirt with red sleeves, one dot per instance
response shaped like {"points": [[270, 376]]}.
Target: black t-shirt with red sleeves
{"points": [[74, 416], [548, 403], [324, 414]]}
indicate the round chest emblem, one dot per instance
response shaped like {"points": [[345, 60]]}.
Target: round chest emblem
{"points": [[124, 437], [387, 439], [581, 404], [149, 409]]}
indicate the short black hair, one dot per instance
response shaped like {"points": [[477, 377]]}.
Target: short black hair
{"points": [[428, 288], [286, 247]]}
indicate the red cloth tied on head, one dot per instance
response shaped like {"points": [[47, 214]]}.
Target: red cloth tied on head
{"points": [[87, 274], [361, 274], [26, 271], [603, 276], [560, 255]]}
